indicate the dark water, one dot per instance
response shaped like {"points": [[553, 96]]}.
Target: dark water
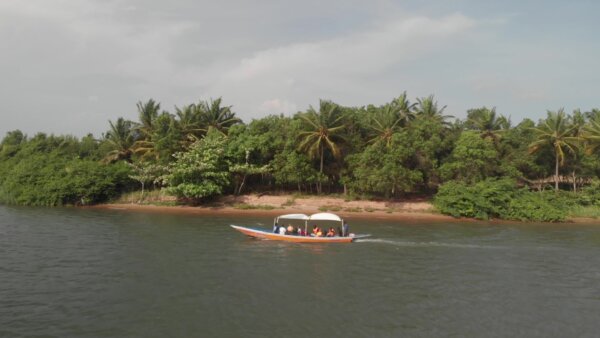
{"points": [[90, 273]]}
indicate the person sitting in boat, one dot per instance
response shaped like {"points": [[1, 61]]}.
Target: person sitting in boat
{"points": [[346, 229], [319, 232], [282, 230], [299, 231], [276, 228], [290, 229], [330, 233], [315, 230]]}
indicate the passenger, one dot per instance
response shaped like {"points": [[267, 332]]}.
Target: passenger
{"points": [[290, 229], [319, 232], [276, 228], [282, 230], [331, 233], [346, 229], [315, 230], [298, 231]]}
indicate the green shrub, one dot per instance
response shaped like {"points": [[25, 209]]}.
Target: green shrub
{"points": [[499, 198]]}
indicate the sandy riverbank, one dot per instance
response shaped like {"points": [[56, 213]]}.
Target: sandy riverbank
{"points": [[269, 205], [273, 205]]}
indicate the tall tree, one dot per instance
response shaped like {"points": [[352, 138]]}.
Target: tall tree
{"points": [[487, 122], [189, 123], [404, 109], [427, 107], [213, 115], [322, 130], [592, 137], [121, 139], [147, 113], [555, 132], [385, 123]]}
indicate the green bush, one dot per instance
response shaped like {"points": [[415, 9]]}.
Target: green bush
{"points": [[499, 198]]}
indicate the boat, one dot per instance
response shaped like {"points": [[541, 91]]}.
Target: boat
{"points": [[320, 217]]}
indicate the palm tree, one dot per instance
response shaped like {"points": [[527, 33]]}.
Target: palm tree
{"points": [[555, 132], [488, 123], [322, 130], [591, 135], [189, 122], [386, 122], [427, 107], [147, 112], [212, 115], [404, 108], [121, 137]]}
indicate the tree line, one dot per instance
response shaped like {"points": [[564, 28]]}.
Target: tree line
{"points": [[398, 149]]}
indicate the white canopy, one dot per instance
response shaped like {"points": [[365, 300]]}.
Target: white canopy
{"points": [[294, 216], [325, 216]]}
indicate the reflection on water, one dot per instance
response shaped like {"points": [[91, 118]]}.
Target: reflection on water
{"points": [[86, 273]]}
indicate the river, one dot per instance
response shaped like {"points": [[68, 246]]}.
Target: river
{"points": [[67, 272]]}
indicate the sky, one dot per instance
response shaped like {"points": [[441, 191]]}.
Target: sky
{"points": [[70, 66]]}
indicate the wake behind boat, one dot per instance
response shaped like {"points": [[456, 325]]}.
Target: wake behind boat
{"points": [[299, 236]]}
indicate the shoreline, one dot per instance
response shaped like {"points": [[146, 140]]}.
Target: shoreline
{"points": [[232, 211], [275, 205]]}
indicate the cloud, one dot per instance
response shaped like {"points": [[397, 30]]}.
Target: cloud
{"points": [[338, 67]]}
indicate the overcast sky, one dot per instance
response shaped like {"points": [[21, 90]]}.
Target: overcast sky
{"points": [[69, 66]]}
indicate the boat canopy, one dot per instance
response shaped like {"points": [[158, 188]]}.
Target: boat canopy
{"points": [[325, 216], [294, 216]]}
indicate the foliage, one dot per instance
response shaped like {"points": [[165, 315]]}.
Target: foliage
{"points": [[49, 171], [497, 198], [390, 150], [473, 159], [201, 172]]}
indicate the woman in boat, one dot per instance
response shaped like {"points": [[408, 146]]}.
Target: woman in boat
{"points": [[331, 232], [315, 230]]}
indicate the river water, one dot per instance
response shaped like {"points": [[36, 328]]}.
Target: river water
{"points": [[113, 273]]}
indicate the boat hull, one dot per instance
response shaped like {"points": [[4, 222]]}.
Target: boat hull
{"points": [[289, 238]]}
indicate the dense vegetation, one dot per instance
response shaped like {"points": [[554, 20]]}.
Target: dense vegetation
{"points": [[482, 166]]}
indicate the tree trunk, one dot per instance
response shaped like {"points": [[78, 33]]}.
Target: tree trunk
{"points": [[242, 184], [556, 174], [142, 198], [574, 182], [319, 187]]}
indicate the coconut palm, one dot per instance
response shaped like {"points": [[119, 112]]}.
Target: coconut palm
{"points": [[591, 135], [427, 107], [147, 112], [213, 115], [385, 123], [404, 109], [322, 130], [557, 133], [121, 137], [189, 123], [487, 122]]}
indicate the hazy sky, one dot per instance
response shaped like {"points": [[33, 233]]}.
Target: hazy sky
{"points": [[69, 66]]}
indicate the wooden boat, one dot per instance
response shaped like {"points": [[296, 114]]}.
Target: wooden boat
{"points": [[320, 217]]}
